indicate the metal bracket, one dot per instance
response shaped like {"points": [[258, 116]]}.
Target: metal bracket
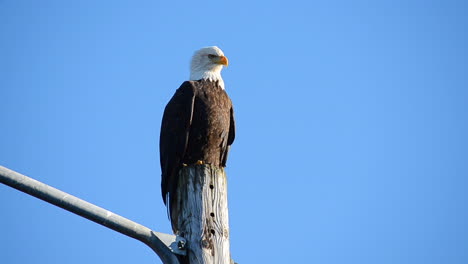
{"points": [[175, 243]]}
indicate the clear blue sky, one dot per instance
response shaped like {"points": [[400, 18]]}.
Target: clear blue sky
{"points": [[352, 124]]}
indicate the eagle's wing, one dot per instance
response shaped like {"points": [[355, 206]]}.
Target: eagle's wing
{"points": [[232, 127], [175, 128], [231, 136]]}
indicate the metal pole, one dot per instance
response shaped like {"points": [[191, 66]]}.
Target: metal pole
{"points": [[94, 213]]}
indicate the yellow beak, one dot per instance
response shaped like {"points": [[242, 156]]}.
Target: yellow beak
{"points": [[223, 61]]}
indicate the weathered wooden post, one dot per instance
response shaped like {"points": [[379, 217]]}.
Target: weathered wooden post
{"points": [[203, 214]]}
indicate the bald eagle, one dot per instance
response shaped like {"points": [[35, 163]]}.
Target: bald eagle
{"points": [[198, 122]]}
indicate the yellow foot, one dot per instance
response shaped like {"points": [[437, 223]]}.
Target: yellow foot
{"points": [[199, 162]]}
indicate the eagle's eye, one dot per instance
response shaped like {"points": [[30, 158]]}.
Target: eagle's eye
{"points": [[211, 56]]}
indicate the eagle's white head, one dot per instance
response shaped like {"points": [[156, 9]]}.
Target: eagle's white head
{"points": [[207, 64]]}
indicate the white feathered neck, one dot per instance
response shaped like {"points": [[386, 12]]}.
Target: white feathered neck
{"points": [[202, 68]]}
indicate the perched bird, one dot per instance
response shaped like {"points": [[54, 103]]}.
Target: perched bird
{"points": [[198, 122]]}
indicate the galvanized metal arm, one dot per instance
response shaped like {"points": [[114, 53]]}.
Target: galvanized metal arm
{"points": [[165, 245]]}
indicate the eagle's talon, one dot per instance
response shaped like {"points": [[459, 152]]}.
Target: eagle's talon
{"points": [[184, 164], [200, 162]]}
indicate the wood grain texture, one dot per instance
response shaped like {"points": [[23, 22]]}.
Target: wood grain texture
{"points": [[201, 214]]}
